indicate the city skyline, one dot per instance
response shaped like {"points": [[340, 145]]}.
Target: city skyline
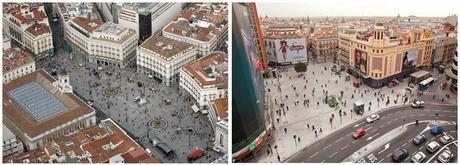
{"points": [[330, 8]]}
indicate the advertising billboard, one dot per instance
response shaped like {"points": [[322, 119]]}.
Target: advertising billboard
{"points": [[409, 59], [288, 50], [361, 60]]}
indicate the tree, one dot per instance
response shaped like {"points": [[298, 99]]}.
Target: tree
{"points": [[300, 67]]}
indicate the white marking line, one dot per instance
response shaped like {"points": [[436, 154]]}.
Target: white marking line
{"points": [[354, 141], [323, 161], [407, 158], [312, 155], [404, 144], [343, 148], [340, 138], [420, 148], [388, 155], [380, 161], [368, 128], [382, 126], [389, 122], [333, 154], [327, 146]]}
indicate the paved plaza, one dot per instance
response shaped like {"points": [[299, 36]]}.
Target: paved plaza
{"points": [[293, 123], [114, 93]]}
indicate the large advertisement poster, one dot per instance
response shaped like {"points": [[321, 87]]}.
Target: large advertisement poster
{"points": [[409, 59], [288, 50], [361, 60]]}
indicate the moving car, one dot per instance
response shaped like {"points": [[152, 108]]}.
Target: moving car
{"points": [[446, 139], [195, 154], [138, 98], [360, 132], [400, 154], [432, 146], [419, 139], [372, 118], [418, 157], [418, 104], [437, 130], [445, 156]]}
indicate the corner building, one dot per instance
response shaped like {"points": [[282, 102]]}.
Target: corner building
{"points": [[379, 56]]}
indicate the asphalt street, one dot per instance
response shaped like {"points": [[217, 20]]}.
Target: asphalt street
{"points": [[339, 145]]}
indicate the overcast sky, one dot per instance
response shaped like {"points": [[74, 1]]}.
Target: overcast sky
{"points": [[420, 8]]}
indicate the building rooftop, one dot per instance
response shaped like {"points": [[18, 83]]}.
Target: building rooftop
{"points": [[184, 28], [210, 71], [15, 57], [96, 144], [165, 47], [221, 106], [38, 29], [88, 25], [78, 9], [25, 13], [113, 33], [25, 113], [141, 8]]}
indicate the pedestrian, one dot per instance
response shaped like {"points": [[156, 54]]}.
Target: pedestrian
{"points": [[285, 130], [320, 130], [313, 127], [308, 126]]}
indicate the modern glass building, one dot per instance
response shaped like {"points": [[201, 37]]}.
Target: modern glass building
{"points": [[248, 116]]}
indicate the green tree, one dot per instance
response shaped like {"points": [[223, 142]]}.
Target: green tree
{"points": [[300, 67]]}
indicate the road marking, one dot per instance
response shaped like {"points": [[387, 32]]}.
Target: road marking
{"points": [[382, 126], [368, 128], [327, 146], [410, 140], [312, 155], [407, 158], [333, 154], [354, 141], [420, 148], [388, 155], [323, 161], [380, 160], [340, 138], [389, 122], [343, 148], [404, 144]]}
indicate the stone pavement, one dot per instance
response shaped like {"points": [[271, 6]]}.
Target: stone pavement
{"points": [[178, 116], [297, 120]]}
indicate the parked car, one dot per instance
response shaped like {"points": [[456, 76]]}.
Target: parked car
{"points": [[445, 156], [195, 154], [446, 139], [437, 130], [419, 139], [150, 76], [400, 154], [418, 104], [418, 157], [360, 132], [393, 83], [432, 146], [372, 118]]}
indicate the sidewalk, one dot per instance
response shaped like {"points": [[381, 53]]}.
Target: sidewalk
{"points": [[298, 119]]}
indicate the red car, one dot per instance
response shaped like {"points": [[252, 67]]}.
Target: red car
{"points": [[360, 132], [195, 154]]}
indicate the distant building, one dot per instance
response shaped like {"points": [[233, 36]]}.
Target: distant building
{"points": [[205, 79], [163, 13], [163, 58], [102, 143], [377, 57], [16, 62], [38, 109], [325, 45], [11, 144], [218, 116], [285, 44], [102, 43], [27, 24], [202, 25], [444, 48]]}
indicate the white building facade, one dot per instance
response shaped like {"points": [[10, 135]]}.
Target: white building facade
{"points": [[163, 58]]}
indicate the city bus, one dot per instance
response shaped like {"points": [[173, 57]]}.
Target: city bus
{"points": [[425, 84]]}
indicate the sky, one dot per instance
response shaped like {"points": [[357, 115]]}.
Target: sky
{"points": [[312, 8]]}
